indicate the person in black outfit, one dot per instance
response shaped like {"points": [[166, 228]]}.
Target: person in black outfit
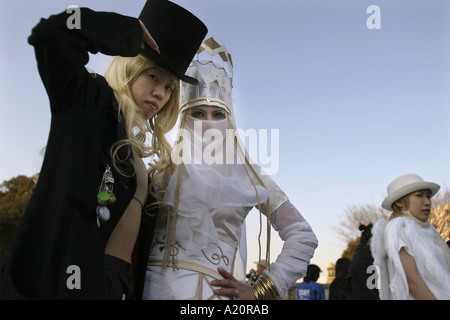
{"points": [[342, 265], [80, 229], [354, 285]]}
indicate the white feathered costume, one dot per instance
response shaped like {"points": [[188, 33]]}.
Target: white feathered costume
{"points": [[422, 241]]}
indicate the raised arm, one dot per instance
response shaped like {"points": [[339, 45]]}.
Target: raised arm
{"points": [[62, 53]]}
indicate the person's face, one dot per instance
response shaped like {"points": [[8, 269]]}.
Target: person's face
{"points": [[152, 90], [205, 112], [420, 204]]}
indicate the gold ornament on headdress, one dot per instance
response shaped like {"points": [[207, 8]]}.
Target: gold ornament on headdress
{"points": [[212, 47]]}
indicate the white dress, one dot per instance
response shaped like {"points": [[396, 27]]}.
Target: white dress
{"points": [[419, 242], [197, 263]]}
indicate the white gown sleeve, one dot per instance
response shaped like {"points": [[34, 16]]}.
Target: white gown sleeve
{"points": [[299, 240]]}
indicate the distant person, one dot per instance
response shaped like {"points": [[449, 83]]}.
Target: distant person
{"points": [[251, 277], [309, 289], [254, 275], [342, 266], [354, 285], [412, 257]]}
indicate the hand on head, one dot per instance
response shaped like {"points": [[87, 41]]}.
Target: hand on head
{"points": [[147, 38]]}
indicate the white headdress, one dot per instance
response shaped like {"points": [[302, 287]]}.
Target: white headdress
{"points": [[215, 83]]}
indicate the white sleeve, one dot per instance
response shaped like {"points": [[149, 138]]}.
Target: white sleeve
{"points": [[299, 240]]}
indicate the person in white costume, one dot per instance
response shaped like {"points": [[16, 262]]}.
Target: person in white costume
{"points": [[413, 259], [199, 247]]}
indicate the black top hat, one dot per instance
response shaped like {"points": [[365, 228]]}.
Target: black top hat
{"points": [[178, 34]]}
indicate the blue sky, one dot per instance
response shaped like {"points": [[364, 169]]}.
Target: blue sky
{"points": [[355, 108]]}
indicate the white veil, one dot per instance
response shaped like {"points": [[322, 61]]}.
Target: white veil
{"points": [[213, 170]]}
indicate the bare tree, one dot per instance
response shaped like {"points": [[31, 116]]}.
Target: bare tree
{"points": [[354, 216], [441, 198]]}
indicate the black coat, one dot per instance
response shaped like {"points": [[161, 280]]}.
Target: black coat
{"points": [[59, 226], [354, 285]]}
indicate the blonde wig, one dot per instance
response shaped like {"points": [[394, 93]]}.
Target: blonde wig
{"points": [[398, 210], [120, 75]]}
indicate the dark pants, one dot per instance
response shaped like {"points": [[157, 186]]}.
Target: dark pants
{"points": [[119, 278]]}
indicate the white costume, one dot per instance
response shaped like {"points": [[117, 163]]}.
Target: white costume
{"points": [[422, 241], [201, 225]]}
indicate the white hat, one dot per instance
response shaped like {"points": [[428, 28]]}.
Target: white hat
{"points": [[404, 185]]}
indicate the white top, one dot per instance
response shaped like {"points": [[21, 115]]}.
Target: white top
{"points": [[422, 244], [198, 267]]}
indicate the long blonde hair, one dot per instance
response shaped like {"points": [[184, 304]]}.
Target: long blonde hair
{"points": [[397, 211], [120, 75]]}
